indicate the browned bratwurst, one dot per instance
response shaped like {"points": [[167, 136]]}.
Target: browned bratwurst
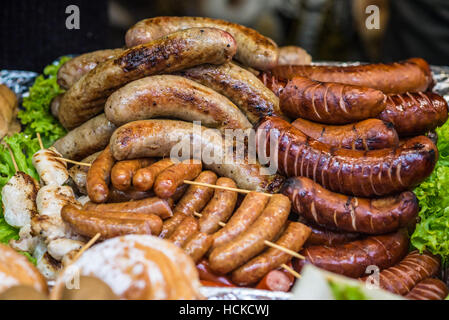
{"points": [[123, 171], [249, 210], [368, 134], [353, 172], [99, 176], [402, 277], [170, 96], [71, 71], [415, 113], [219, 208], [337, 211], [172, 177], [194, 200], [325, 102], [399, 77], [292, 238], [253, 49], [240, 86], [187, 228], [144, 178], [174, 52], [110, 224], [116, 196], [352, 259], [232, 255], [88, 138], [324, 237], [131, 141], [153, 205], [197, 245], [428, 289]]}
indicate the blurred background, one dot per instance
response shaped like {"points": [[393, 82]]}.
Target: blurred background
{"points": [[33, 33]]}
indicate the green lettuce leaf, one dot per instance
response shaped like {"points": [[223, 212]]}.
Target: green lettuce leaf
{"points": [[346, 292], [432, 232], [36, 115]]}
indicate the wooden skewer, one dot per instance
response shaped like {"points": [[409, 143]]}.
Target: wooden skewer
{"points": [[40, 140], [16, 167], [202, 184], [293, 272], [74, 162], [86, 246]]}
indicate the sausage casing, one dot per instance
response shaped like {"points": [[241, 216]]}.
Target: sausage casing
{"points": [[249, 210], [240, 86], [399, 77], [292, 238], [352, 172], [174, 52], [144, 178], [197, 245], [415, 113], [233, 254], [153, 205], [219, 208], [326, 102], [187, 228], [99, 176], [402, 277], [353, 258], [123, 171], [253, 49], [340, 212], [368, 134], [428, 289]]}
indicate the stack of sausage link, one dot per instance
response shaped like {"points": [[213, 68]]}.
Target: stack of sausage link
{"points": [[237, 250], [179, 67], [359, 132]]}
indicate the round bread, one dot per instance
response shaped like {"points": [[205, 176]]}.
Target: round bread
{"points": [[15, 269], [136, 267]]}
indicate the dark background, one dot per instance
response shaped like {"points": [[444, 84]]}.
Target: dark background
{"points": [[33, 33]]}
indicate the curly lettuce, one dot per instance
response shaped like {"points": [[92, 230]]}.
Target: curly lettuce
{"points": [[36, 115], [432, 232]]}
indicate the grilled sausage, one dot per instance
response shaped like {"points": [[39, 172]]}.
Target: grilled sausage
{"points": [[187, 228], [71, 71], [131, 141], [233, 254], [251, 207], [116, 196], [88, 138], [174, 52], [253, 49], [415, 113], [110, 224], [51, 171], [144, 178], [325, 102], [170, 96], [368, 134], [78, 173], [276, 280], [207, 274], [99, 175], [55, 104], [320, 236], [399, 77], [197, 245], [153, 205], [240, 86], [353, 258], [194, 200], [123, 171], [293, 55], [293, 238], [340, 212], [428, 289], [402, 277], [171, 178], [219, 208], [353, 172]]}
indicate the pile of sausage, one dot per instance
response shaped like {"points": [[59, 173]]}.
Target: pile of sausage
{"points": [[166, 207], [359, 139], [357, 148]]}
